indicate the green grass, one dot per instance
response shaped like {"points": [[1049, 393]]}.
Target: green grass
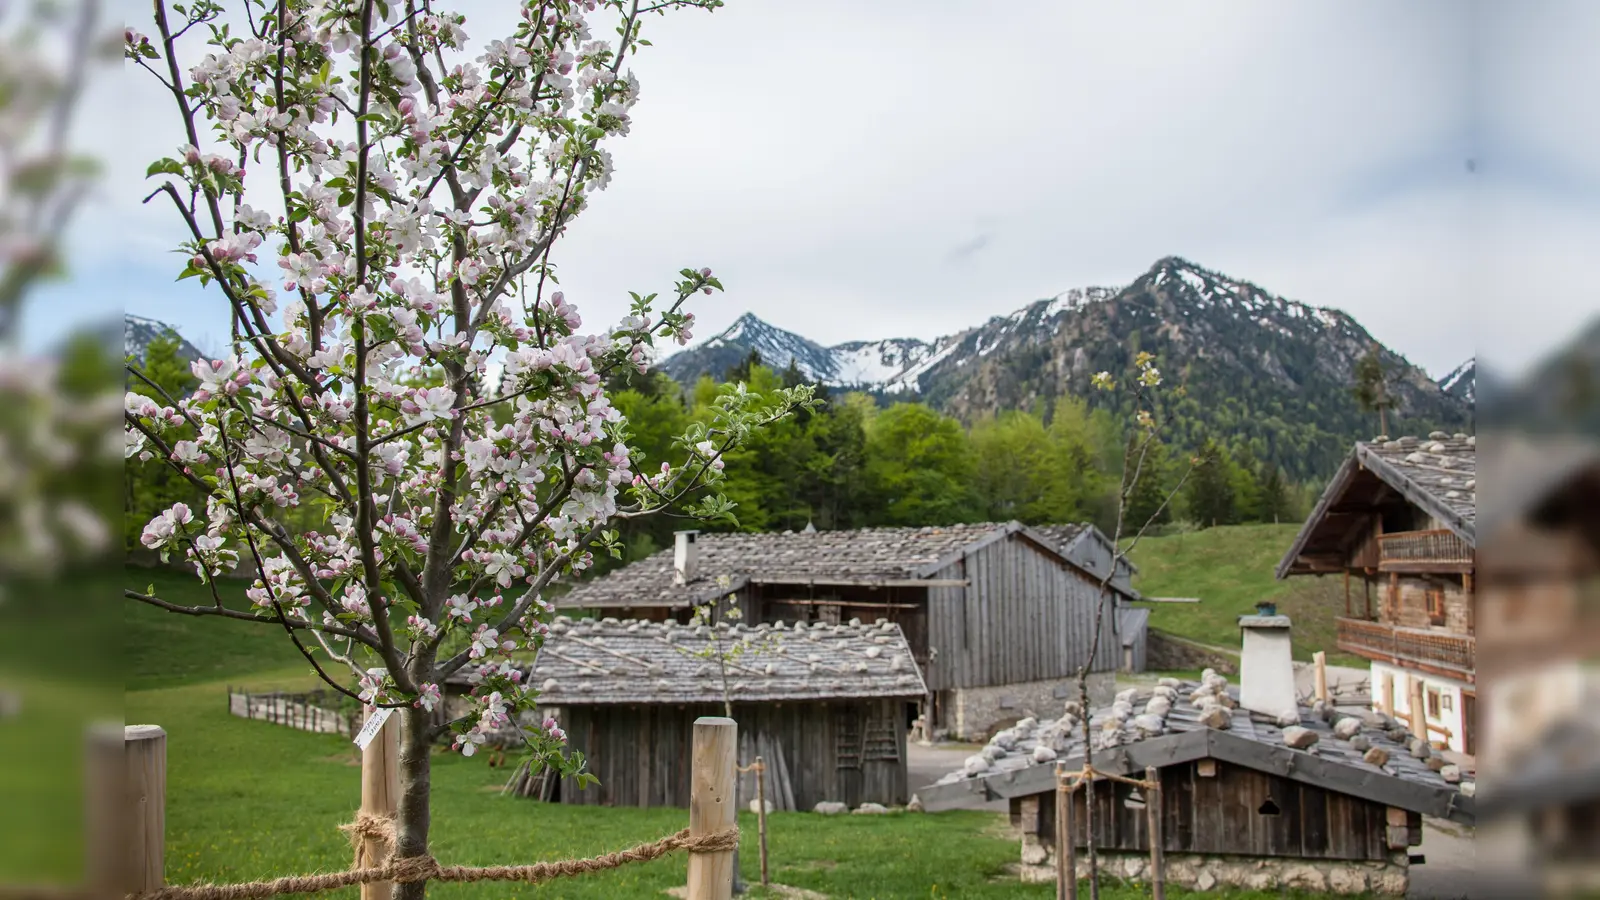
{"points": [[1230, 568], [165, 649], [248, 800]]}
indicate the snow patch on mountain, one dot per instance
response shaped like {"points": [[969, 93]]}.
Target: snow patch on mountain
{"points": [[1462, 381]]}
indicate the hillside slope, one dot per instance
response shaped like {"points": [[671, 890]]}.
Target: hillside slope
{"points": [[1230, 569]]}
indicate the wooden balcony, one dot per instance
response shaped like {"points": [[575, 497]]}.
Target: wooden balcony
{"points": [[1450, 655], [1424, 551]]}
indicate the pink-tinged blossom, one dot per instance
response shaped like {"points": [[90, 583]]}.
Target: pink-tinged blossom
{"points": [[461, 607], [428, 404], [469, 743], [163, 528], [485, 640], [421, 628], [372, 685], [429, 696]]}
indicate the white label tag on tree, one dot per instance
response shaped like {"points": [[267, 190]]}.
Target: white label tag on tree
{"points": [[374, 724]]}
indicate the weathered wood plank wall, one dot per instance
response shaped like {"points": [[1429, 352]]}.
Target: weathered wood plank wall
{"points": [[1235, 811], [848, 751], [1023, 616]]}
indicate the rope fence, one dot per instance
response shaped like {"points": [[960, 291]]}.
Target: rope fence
{"points": [[126, 834], [408, 869]]}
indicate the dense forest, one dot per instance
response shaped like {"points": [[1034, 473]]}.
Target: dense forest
{"points": [[852, 463]]}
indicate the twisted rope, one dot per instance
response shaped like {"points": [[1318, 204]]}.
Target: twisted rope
{"points": [[408, 869]]}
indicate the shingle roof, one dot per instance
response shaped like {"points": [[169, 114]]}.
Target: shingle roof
{"points": [[593, 661], [1438, 474], [728, 561], [1443, 467], [1068, 533], [1144, 737], [1064, 533]]}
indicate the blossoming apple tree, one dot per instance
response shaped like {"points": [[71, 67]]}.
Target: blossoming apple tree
{"points": [[404, 374]]}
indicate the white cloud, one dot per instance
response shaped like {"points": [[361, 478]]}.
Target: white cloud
{"points": [[826, 157]]}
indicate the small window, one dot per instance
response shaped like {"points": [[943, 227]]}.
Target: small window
{"points": [[1435, 606], [1434, 703], [1448, 703]]}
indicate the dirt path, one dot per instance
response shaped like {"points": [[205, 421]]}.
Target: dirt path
{"points": [[926, 765]]}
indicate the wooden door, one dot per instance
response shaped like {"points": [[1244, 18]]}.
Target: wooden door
{"points": [[1469, 723]]}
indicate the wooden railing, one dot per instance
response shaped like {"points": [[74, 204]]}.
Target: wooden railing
{"points": [[1423, 551], [1452, 654]]}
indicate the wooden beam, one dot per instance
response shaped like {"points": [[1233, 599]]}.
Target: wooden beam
{"points": [[1320, 660], [1066, 846], [1419, 712], [1153, 817]]}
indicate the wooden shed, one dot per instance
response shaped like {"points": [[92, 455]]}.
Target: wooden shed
{"points": [[1239, 805], [999, 617], [826, 706]]}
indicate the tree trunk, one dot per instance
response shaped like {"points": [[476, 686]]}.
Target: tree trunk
{"points": [[411, 829]]}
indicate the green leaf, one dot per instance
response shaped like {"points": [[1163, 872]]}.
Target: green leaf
{"points": [[164, 167]]}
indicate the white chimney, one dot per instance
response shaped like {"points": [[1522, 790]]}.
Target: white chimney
{"points": [[685, 558], [1266, 667]]}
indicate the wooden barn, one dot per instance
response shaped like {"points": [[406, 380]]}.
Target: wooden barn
{"points": [[1317, 799], [999, 617], [824, 705], [1398, 524]]}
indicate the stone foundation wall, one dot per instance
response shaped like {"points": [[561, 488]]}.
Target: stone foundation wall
{"points": [[1203, 872], [977, 713], [1165, 653]]}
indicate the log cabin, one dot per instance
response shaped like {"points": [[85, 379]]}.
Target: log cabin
{"points": [[1397, 524], [999, 617], [1539, 607], [822, 704], [1250, 795]]}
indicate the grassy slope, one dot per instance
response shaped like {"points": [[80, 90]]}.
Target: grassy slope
{"points": [[1230, 569], [249, 799], [165, 649]]}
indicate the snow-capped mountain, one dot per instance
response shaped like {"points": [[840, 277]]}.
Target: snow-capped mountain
{"points": [[1253, 364], [1462, 382], [138, 332]]}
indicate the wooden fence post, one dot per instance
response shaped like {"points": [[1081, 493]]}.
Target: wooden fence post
{"points": [[106, 812], [1152, 811], [146, 749], [1320, 660], [761, 814], [1066, 851], [711, 805], [1419, 712], [380, 796]]}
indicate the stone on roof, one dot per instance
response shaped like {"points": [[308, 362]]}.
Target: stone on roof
{"points": [[1443, 466], [594, 661], [1175, 712]]}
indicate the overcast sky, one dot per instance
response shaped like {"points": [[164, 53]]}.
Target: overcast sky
{"points": [[862, 170]]}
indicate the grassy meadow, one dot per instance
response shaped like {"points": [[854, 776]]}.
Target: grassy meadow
{"points": [[1230, 568], [248, 800]]}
